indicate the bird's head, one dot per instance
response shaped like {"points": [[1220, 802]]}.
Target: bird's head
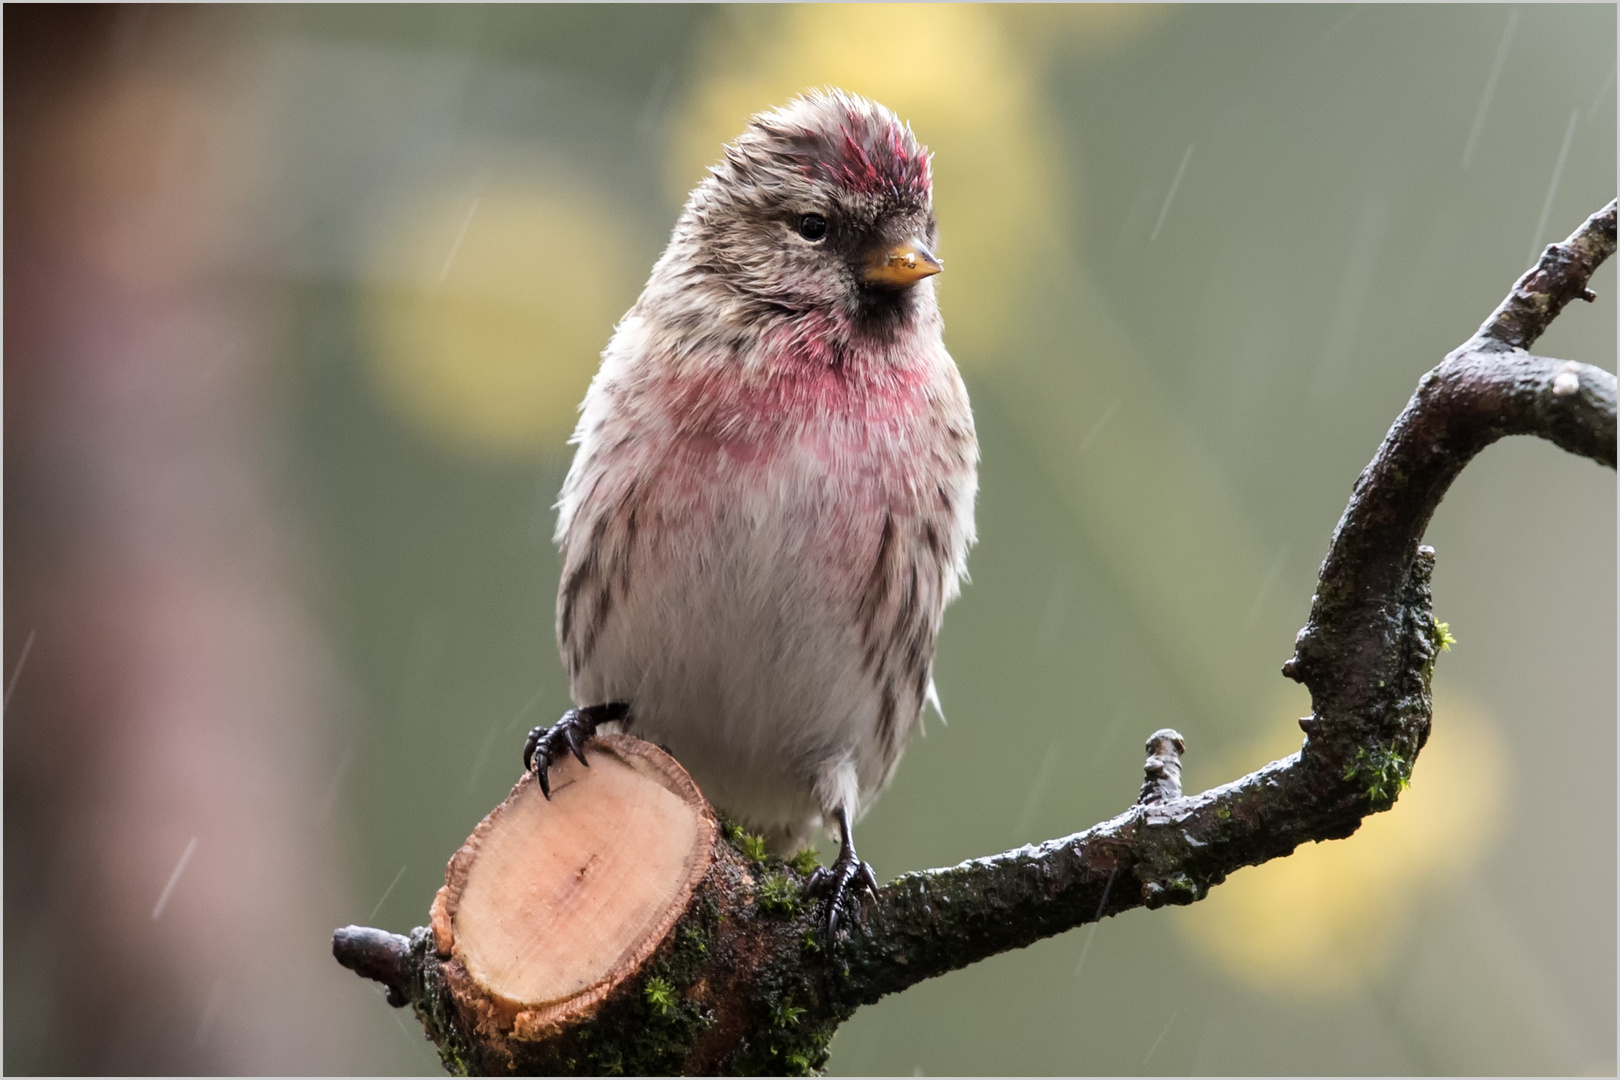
{"points": [[824, 205]]}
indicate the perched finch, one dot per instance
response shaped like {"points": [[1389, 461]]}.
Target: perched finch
{"points": [[772, 498]]}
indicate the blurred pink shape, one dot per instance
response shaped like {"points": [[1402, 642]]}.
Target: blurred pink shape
{"points": [[178, 696]]}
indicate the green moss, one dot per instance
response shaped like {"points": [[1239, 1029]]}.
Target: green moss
{"points": [[646, 1034], [808, 941], [432, 1005], [805, 862], [746, 842], [1384, 772], [660, 996], [1223, 813], [789, 1045], [456, 1061], [1442, 636], [1178, 888], [650, 1030], [779, 894]]}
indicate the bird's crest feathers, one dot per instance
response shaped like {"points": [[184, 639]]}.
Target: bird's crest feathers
{"points": [[844, 139]]}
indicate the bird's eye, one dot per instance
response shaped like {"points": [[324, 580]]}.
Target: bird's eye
{"points": [[812, 226]]}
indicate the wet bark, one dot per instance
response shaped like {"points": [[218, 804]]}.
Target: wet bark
{"points": [[746, 982]]}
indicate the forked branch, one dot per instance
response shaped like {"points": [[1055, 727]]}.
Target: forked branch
{"points": [[742, 983]]}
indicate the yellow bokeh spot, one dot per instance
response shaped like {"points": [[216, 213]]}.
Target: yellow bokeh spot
{"points": [[1055, 32], [1332, 916], [1005, 212], [485, 315]]}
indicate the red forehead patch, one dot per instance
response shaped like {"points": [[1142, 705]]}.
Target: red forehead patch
{"points": [[876, 158]]}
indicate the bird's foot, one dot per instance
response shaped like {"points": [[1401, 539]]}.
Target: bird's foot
{"points": [[843, 883], [546, 745]]}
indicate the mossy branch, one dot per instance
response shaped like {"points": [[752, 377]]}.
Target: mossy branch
{"points": [[744, 982]]}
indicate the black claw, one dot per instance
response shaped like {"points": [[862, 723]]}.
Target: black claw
{"points": [[529, 746], [568, 735], [575, 743], [843, 882]]}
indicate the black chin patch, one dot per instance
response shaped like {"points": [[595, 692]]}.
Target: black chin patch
{"points": [[882, 312]]}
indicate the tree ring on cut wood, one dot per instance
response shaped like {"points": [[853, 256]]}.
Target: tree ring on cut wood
{"points": [[551, 904]]}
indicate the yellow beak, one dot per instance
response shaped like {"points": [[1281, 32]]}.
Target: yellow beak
{"points": [[903, 265]]}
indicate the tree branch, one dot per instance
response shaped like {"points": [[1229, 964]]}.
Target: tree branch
{"points": [[1366, 655], [763, 993], [1557, 278]]}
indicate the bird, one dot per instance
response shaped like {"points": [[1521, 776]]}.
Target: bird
{"points": [[771, 500]]}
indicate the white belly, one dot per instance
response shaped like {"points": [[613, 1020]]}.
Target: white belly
{"points": [[760, 568], [736, 643]]}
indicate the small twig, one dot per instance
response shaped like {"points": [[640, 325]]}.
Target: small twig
{"points": [[376, 954], [1557, 278], [1162, 772]]}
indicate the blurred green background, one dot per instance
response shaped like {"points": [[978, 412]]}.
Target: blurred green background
{"points": [[1199, 258]]}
